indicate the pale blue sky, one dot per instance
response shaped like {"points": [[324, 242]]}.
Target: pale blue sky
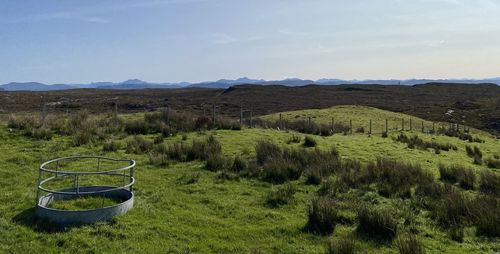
{"points": [[196, 40]]}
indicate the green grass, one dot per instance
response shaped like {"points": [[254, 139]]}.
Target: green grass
{"points": [[84, 203], [210, 216]]}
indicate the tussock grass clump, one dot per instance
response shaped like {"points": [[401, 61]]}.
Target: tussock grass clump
{"points": [[331, 187], [158, 139], [81, 138], [433, 189], [490, 182], [461, 135], [294, 139], [465, 177], [310, 141], [396, 177], [409, 244], [376, 224], [138, 145], [42, 133], [158, 159], [239, 164], [321, 216], [417, 142], [189, 178], [341, 245], [280, 165], [456, 233], [452, 209], [475, 153], [360, 130], [492, 163], [280, 196], [111, 146], [23, 122], [486, 216], [216, 162]]}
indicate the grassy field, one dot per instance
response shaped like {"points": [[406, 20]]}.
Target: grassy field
{"points": [[183, 208]]}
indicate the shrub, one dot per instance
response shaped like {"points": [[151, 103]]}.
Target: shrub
{"points": [[376, 224], [360, 130], [458, 174], [239, 164], [409, 244], [331, 187], [432, 190], [23, 122], [490, 182], [138, 145], [486, 216], [309, 141], [111, 146], [136, 127], [224, 175], [341, 245], [321, 216], [384, 134], [281, 196], [417, 142]]}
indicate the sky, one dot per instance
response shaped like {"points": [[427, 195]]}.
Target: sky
{"points": [[82, 41]]}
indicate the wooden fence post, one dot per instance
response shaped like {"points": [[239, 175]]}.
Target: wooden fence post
{"points": [[423, 130], [350, 126], [386, 128], [370, 127], [410, 125], [402, 124]]}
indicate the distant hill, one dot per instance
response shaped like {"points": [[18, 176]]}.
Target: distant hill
{"points": [[34, 86], [226, 83]]}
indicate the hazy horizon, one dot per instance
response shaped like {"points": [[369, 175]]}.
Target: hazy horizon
{"points": [[206, 40]]}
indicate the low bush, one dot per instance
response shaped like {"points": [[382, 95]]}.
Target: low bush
{"points": [[341, 245], [41, 133], [452, 132], [465, 177], [331, 187], [225, 175], [158, 139], [280, 196], [81, 138], [384, 134], [111, 146], [360, 130], [309, 141], [490, 182], [321, 216], [376, 224], [279, 170], [23, 122], [266, 150], [409, 244]]}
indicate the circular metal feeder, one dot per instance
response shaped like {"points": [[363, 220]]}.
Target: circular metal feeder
{"points": [[115, 183]]}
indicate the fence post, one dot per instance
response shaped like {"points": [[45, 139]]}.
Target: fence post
{"points": [[433, 127], [350, 126], [309, 121], [370, 127], [423, 130], [402, 124], [333, 123], [386, 128], [410, 125]]}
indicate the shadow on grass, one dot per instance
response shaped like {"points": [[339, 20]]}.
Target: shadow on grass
{"points": [[29, 219]]}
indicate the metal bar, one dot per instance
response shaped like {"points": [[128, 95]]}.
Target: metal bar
{"points": [[38, 187], [98, 164]]}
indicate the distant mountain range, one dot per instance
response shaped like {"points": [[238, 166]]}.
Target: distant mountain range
{"points": [[226, 83]]}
